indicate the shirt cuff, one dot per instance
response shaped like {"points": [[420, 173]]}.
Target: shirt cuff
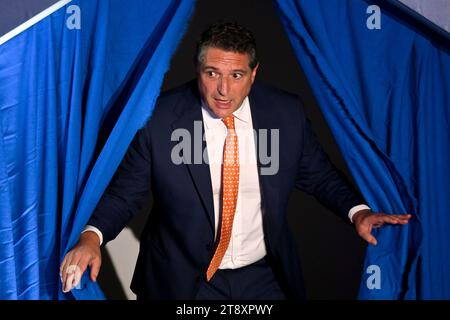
{"points": [[355, 209], [94, 229]]}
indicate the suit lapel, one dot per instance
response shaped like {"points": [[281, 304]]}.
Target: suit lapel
{"points": [[263, 117], [190, 119]]}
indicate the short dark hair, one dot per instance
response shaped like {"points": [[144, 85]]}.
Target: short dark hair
{"points": [[228, 36]]}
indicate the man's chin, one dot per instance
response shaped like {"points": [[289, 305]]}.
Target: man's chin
{"points": [[222, 112]]}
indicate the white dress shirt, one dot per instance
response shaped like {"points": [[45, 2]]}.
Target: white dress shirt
{"points": [[247, 237]]}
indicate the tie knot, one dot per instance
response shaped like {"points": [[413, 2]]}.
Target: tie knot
{"points": [[229, 122]]}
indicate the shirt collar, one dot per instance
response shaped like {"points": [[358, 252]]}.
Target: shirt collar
{"points": [[211, 120]]}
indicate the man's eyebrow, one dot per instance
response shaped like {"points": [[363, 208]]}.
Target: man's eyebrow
{"points": [[210, 67], [215, 69], [240, 70]]}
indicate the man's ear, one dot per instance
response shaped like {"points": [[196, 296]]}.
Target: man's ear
{"points": [[255, 69]]}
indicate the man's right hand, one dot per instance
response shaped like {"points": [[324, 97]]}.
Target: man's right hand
{"points": [[85, 253]]}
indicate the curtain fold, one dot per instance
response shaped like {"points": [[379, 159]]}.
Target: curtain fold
{"points": [[383, 86], [71, 100]]}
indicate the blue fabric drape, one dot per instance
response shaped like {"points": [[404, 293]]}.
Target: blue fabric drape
{"points": [[60, 90], [385, 94]]}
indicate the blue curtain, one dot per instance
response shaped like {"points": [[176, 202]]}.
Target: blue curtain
{"points": [[382, 80], [61, 88]]}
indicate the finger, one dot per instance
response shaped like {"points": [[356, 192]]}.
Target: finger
{"points": [[95, 268], [382, 219], [389, 219], [394, 219], [76, 277], [83, 264], [66, 263], [404, 217], [64, 279], [73, 278], [369, 238], [399, 216], [79, 271], [69, 279], [69, 270], [67, 287]]}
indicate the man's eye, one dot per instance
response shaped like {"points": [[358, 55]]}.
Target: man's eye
{"points": [[211, 73], [237, 75]]}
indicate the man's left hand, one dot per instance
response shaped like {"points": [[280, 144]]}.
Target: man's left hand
{"points": [[365, 220]]}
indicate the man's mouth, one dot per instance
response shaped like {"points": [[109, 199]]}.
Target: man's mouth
{"points": [[221, 103]]}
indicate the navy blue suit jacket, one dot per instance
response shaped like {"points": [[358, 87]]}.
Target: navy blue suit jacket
{"points": [[178, 241]]}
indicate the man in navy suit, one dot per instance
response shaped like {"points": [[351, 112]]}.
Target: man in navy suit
{"points": [[218, 229]]}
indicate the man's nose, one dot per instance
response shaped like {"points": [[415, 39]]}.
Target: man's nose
{"points": [[223, 86]]}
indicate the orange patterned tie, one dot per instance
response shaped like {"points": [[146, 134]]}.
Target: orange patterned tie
{"points": [[230, 186]]}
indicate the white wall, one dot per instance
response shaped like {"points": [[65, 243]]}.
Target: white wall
{"points": [[123, 252]]}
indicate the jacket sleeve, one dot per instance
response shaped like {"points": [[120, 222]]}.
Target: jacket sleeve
{"points": [[317, 176], [127, 191]]}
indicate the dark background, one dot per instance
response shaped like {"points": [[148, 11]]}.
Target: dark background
{"points": [[332, 253]]}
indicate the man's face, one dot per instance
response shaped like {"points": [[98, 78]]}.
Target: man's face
{"points": [[224, 80]]}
